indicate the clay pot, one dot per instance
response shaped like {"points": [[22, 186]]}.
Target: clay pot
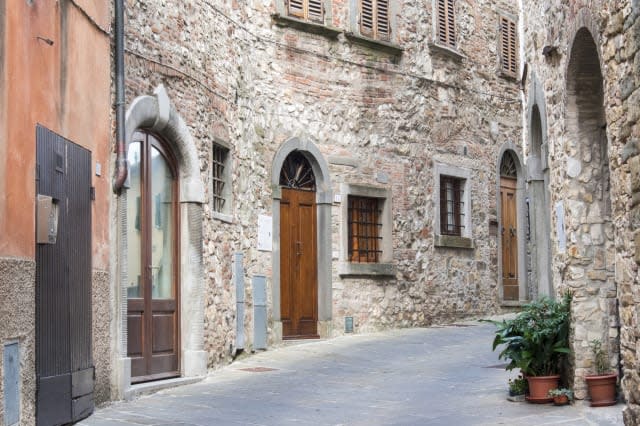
{"points": [[602, 389], [539, 387], [560, 400]]}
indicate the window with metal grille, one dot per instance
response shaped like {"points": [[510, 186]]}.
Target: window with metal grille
{"points": [[218, 178], [365, 238], [374, 19], [309, 10], [508, 46], [446, 23], [451, 205]]}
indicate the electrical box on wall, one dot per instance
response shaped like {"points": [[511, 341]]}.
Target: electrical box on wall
{"points": [[46, 220]]}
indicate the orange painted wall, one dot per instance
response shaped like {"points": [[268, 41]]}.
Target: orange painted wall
{"points": [[66, 88]]}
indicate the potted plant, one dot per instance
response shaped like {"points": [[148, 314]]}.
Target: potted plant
{"points": [[561, 396], [537, 342], [602, 385], [517, 389]]}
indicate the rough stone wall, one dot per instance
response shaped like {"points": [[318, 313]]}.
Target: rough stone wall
{"points": [[590, 169], [101, 335], [378, 118], [18, 325]]}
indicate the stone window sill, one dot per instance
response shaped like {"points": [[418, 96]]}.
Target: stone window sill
{"points": [[310, 27], [386, 46], [447, 51], [349, 269], [222, 217], [450, 241], [507, 75], [513, 303]]}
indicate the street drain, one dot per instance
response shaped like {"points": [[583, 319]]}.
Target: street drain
{"points": [[257, 369]]}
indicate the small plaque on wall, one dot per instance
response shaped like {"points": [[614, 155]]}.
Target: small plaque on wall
{"points": [[265, 229]]}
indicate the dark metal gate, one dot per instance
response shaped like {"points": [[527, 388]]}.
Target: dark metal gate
{"points": [[64, 365]]}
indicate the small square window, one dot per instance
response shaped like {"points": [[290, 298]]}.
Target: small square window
{"points": [[365, 238], [452, 210]]}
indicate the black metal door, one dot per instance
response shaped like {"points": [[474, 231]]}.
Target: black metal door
{"points": [[64, 365]]}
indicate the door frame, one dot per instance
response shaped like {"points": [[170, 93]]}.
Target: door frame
{"points": [[156, 114], [324, 202], [521, 220]]}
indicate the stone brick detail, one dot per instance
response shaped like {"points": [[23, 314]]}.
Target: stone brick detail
{"points": [[378, 117]]}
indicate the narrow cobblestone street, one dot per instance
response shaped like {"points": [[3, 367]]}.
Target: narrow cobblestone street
{"points": [[435, 376]]}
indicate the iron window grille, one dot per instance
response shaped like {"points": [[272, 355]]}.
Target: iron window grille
{"points": [[451, 206], [220, 154], [297, 173], [365, 240]]}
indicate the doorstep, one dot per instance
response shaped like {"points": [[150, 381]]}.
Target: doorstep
{"points": [[146, 388]]}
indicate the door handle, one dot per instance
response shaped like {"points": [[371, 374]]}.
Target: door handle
{"points": [[299, 248]]}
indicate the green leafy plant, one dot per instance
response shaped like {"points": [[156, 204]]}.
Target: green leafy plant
{"points": [[601, 357], [537, 340], [560, 392], [518, 386]]}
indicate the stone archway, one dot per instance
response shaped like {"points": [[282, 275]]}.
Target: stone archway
{"points": [[539, 195], [590, 271], [324, 200], [156, 114]]}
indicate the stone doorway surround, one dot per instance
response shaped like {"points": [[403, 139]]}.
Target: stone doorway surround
{"points": [[520, 219], [324, 201], [541, 282], [157, 115]]}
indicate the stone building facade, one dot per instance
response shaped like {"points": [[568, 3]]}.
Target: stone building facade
{"points": [[581, 142], [401, 115]]}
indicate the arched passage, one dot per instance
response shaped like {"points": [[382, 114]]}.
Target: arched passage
{"points": [[588, 205], [322, 211], [156, 115]]}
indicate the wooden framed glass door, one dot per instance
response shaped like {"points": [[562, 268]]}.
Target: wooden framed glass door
{"points": [[152, 236]]}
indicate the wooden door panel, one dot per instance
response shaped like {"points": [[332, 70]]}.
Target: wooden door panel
{"points": [[298, 264], [163, 332], [509, 239]]}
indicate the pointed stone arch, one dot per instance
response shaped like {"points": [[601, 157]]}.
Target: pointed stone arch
{"points": [[156, 114], [538, 176], [324, 200], [509, 152], [587, 200]]}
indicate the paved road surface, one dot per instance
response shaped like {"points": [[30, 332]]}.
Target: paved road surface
{"points": [[430, 376]]}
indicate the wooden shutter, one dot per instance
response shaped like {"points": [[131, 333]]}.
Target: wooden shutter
{"points": [[508, 48], [446, 23], [366, 18], [296, 8], [315, 10], [382, 20]]}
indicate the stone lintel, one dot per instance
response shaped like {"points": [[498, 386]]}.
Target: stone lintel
{"points": [[452, 241]]}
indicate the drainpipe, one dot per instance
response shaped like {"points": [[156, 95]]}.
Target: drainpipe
{"points": [[121, 147]]}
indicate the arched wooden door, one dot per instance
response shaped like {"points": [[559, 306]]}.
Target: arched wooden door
{"points": [[152, 236], [298, 249], [509, 230]]}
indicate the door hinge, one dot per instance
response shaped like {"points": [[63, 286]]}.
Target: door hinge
{"points": [[92, 193]]}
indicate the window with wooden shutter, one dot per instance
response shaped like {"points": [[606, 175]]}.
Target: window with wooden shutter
{"points": [[311, 10], [446, 23], [508, 46], [374, 19]]}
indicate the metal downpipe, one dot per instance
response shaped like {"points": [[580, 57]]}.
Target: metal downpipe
{"points": [[121, 147]]}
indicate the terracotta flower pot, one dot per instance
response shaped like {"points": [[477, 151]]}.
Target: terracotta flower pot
{"points": [[560, 400], [539, 387], [602, 389]]}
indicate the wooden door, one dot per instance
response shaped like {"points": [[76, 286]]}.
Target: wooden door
{"points": [[152, 235], [298, 265], [64, 362], [509, 239]]}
